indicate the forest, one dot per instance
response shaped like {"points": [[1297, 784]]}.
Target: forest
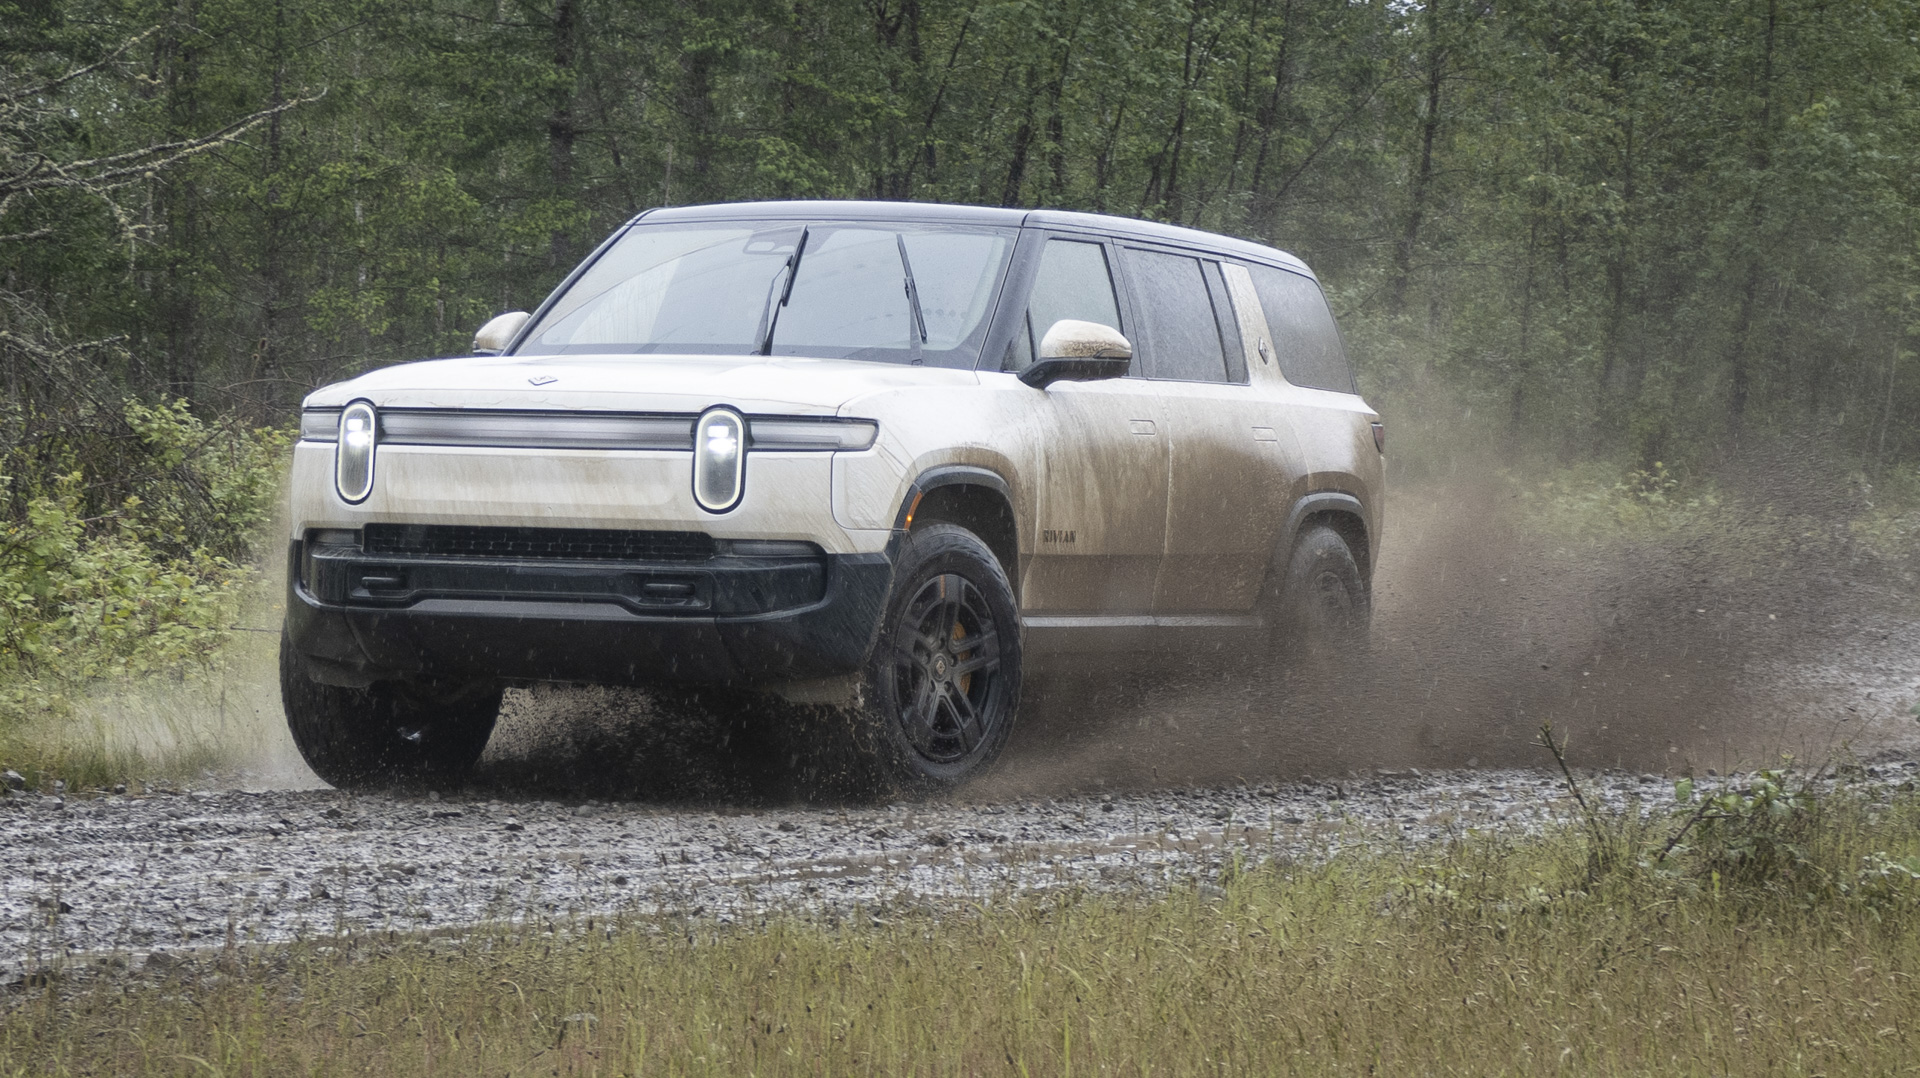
{"points": [[1636, 231], [1643, 226]]}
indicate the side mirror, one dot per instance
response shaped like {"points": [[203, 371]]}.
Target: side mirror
{"points": [[494, 337], [1076, 351]]}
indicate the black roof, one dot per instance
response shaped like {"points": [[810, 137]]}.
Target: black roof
{"points": [[1066, 220]]}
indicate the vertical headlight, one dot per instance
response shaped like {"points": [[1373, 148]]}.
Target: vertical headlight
{"points": [[353, 453], [719, 459]]}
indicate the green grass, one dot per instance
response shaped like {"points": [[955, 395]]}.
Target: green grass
{"points": [[211, 713], [1488, 956]]}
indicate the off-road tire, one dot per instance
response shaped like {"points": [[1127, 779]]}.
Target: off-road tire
{"points": [[388, 734], [942, 685], [1321, 604]]}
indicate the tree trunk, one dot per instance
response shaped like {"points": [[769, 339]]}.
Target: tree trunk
{"points": [[1268, 122], [561, 129], [1419, 190], [1739, 374]]}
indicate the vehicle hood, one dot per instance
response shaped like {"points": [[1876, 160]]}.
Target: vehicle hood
{"points": [[787, 385]]}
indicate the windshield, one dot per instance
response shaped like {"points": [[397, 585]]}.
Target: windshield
{"points": [[839, 290]]}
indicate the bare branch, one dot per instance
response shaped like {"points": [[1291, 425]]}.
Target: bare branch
{"points": [[119, 169], [53, 84]]}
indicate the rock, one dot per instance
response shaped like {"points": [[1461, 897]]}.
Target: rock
{"points": [[789, 826], [582, 810], [14, 779], [513, 825]]}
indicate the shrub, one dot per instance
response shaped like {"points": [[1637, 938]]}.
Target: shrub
{"points": [[150, 582]]}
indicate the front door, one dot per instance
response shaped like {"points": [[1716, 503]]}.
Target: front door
{"points": [[1100, 529]]}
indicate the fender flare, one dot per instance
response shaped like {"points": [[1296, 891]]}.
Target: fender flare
{"points": [[949, 475], [1321, 502], [1327, 501]]}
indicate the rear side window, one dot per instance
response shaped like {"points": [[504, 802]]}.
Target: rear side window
{"points": [[1305, 342], [1073, 281], [1181, 334]]}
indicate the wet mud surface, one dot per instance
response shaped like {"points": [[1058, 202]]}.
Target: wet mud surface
{"points": [[122, 878]]}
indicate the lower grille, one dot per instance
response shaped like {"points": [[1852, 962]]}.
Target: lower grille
{"points": [[557, 544]]}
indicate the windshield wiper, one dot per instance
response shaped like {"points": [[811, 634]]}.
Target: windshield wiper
{"points": [[919, 336], [770, 314]]}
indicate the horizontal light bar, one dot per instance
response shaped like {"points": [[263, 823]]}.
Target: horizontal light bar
{"points": [[811, 434], [588, 430], [320, 425], [536, 430]]}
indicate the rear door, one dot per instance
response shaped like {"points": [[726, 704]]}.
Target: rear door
{"points": [[1228, 470]]}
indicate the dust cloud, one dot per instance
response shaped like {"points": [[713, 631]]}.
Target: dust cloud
{"points": [[1759, 630]]}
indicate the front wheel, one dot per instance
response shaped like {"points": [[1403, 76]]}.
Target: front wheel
{"points": [[943, 682], [386, 734]]}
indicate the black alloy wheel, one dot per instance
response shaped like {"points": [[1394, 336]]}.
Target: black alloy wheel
{"points": [[946, 655], [946, 670]]}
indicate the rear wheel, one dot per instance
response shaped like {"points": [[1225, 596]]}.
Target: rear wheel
{"points": [[943, 683], [388, 733], [1321, 603]]}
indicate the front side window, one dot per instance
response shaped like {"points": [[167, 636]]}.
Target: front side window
{"points": [[901, 293], [1072, 281]]}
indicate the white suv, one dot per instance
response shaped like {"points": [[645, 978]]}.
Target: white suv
{"points": [[883, 456]]}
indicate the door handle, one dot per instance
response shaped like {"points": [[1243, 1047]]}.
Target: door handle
{"points": [[1141, 426]]}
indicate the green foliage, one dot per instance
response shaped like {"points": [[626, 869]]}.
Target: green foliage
{"points": [[1636, 229], [1780, 839], [150, 584]]}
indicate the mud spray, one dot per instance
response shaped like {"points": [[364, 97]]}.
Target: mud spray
{"points": [[1759, 630]]}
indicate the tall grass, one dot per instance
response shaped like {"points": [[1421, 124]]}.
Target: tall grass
{"points": [[1487, 956]]}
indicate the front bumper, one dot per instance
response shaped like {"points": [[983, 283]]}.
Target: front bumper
{"points": [[356, 616]]}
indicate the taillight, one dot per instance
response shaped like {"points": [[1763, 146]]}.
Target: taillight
{"points": [[1380, 437]]}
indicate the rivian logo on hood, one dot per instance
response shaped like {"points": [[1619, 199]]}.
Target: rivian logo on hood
{"points": [[543, 379]]}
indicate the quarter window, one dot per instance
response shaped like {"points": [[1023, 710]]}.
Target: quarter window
{"points": [[1182, 335], [1305, 341]]}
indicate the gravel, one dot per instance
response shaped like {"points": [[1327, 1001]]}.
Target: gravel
{"points": [[144, 877]]}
